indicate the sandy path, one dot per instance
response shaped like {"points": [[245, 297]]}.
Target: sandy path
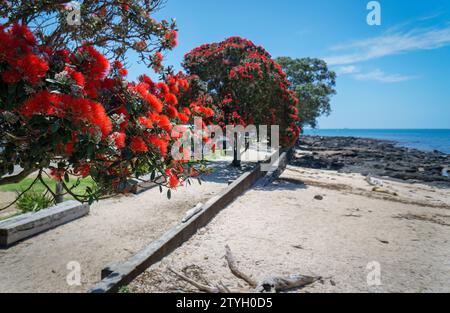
{"points": [[282, 229], [114, 230], [7, 197]]}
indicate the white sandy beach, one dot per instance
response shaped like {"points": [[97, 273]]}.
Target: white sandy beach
{"points": [[282, 229]]}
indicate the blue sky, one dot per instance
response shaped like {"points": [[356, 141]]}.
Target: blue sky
{"points": [[395, 75]]}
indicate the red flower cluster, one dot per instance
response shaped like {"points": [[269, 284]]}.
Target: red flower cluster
{"points": [[24, 61], [91, 62], [171, 39], [138, 145], [157, 62], [249, 70], [83, 112]]}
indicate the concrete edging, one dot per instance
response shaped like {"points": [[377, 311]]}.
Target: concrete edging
{"points": [[115, 276], [20, 227]]}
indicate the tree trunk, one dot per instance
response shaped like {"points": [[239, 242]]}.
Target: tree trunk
{"points": [[59, 192], [236, 157]]}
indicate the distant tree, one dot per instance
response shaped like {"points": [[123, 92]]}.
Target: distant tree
{"points": [[313, 83], [246, 86]]}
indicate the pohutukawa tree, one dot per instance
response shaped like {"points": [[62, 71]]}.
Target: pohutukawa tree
{"points": [[66, 109], [117, 26], [246, 86]]}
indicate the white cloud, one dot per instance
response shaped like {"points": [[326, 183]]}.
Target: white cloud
{"points": [[349, 69], [390, 44], [374, 75], [379, 75]]}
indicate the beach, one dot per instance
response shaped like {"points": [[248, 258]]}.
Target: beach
{"points": [[357, 234], [342, 208]]}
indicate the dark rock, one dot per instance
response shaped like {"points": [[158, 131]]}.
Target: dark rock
{"points": [[372, 157], [318, 197]]}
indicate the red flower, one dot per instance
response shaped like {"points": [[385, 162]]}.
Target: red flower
{"points": [[43, 102], [171, 38], [171, 99], [76, 76], [82, 170], [33, 68], [172, 112], [183, 117], [117, 64], [154, 102], [144, 121], [164, 123], [94, 64], [159, 143], [157, 61], [57, 174], [119, 139], [123, 72], [151, 99], [145, 79], [163, 86], [173, 181], [138, 145]]}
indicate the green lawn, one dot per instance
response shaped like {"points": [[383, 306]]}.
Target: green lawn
{"points": [[40, 188]]}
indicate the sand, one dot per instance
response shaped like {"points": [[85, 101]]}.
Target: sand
{"points": [[6, 198], [404, 229], [115, 230]]}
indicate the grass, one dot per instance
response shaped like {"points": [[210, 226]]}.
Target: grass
{"points": [[214, 155], [40, 188]]}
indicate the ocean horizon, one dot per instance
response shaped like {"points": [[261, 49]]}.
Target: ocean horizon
{"points": [[421, 139]]}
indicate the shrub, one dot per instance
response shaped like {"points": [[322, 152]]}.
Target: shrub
{"points": [[33, 201]]}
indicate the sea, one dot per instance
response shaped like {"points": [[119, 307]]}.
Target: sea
{"points": [[421, 139]]}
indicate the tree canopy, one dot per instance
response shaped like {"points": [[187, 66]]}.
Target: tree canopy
{"points": [[116, 27], [67, 109], [246, 85], [313, 84]]}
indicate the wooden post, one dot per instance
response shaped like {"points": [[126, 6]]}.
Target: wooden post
{"points": [[59, 192], [236, 160]]}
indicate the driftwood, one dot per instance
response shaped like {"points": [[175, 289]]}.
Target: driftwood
{"points": [[235, 270], [199, 286], [277, 284], [269, 284]]}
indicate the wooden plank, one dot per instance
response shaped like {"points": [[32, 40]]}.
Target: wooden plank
{"points": [[27, 225]]}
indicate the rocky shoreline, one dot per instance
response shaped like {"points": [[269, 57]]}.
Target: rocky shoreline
{"points": [[373, 157]]}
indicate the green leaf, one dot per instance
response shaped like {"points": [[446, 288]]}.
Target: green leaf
{"points": [[169, 194], [66, 177]]}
